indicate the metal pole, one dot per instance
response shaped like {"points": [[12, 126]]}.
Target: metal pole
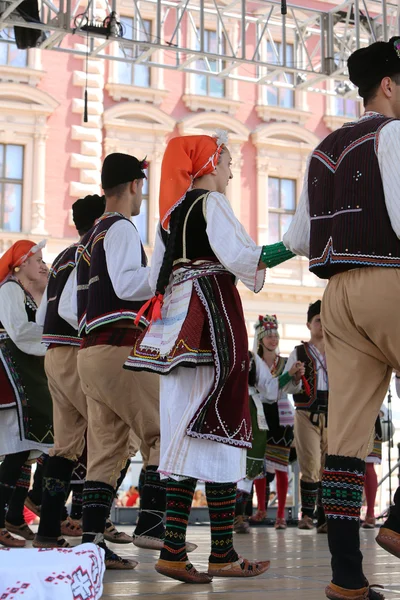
{"points": [[357, 22], [384, 20]]}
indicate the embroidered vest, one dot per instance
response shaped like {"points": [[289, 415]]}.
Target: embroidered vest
{"points": [[350, 225], [55, 329], [98, 304], [302, 401]]}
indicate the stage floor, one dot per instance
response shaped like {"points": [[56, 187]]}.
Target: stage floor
{"points": [[299, 569]]}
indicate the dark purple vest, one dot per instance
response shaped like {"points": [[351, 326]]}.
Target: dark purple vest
{"points": [[55, 329], [302, 401], [350, 225], [98, 304]]}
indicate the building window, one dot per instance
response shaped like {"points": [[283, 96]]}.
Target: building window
{"points": [[126, 72], [141, 221], [282, 96], [9, 53], [206, 85], [11, 174], [345, 107], [281, 207]]}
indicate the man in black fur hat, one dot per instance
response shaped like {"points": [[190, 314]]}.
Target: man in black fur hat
{"points": [[348, 224]]}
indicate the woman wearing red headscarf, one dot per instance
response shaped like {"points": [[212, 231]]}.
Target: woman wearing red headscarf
{"points": [[25, 402], [200, 344]]}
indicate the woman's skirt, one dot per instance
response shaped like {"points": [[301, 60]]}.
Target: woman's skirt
{"points": [[26, 410], [181, 456], [279, 440]]}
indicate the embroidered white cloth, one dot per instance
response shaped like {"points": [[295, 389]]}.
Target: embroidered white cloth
{"points": [[162, 334], [49, 574]]}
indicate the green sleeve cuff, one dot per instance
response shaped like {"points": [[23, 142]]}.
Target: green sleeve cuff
{"points": [[284, 379], [275, 254]]}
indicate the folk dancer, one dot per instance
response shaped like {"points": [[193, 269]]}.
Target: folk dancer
{"points": [[26, 409], [272, 418], [111, 285], [348, 224], [69, 401], [200, 348], [310, 425]]}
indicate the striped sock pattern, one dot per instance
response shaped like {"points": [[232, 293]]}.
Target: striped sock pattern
{"points": [[221, 500], [308, 492], [96, 502], [179, 503]]}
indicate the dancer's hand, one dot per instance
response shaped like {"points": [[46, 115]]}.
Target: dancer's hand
{"points": [[299, 373]]}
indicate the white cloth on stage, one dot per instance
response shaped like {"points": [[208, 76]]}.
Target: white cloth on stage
{"points": [[49, 574]]}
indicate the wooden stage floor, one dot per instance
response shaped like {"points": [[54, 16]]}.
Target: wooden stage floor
{"points": [[299, 569]]}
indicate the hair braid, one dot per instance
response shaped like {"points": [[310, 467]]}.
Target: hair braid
{"points": [[166, 267]]}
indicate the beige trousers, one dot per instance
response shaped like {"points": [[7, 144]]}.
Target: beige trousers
{"points": [[311, 443], [69, 402], [118, 401], [360, 318]]}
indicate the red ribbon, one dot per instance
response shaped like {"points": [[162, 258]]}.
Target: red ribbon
{"points": [[306, 385], [151, 310]]}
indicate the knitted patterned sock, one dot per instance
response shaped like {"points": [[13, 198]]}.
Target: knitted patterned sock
{"points": [[10, 472], [179, 503], [97, 499], [248, 509], [6, 492], [342, 489], [282, 484], [15, 512], [393, 520], [308, 492], [35, 494], [56, 479], [152, 505], [321, 519], [241, 501], [76, 504], [221, 499]]}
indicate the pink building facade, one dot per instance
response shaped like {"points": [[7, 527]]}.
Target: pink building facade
{"points": [[50, 157]]}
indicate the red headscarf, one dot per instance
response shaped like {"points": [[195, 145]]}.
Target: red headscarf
{"points": [[16, 255], [186, 158]]}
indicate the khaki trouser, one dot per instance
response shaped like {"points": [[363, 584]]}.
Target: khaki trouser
{"points": [[118, 400], [311, 443], [69, 402], [360, 318]]}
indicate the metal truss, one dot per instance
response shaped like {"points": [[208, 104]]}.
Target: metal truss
{"points": [[313, 45]]}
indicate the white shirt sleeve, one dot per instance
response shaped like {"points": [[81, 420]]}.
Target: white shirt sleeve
{"points": [[231, 243], [267, 385], [26, 335], [389, 160], [124, 262], [297, 237], [156, 259], [41, 311], [68, 305]]}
